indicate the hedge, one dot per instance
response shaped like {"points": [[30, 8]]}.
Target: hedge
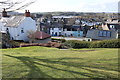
{"points": [[115, 43], [77, 44], [61, 40]]}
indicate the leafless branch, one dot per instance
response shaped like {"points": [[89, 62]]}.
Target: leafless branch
{"points": [[22, 7], [11, 6]]}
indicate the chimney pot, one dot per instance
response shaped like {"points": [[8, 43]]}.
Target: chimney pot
{"points": [[4, 13], [27, 13]]}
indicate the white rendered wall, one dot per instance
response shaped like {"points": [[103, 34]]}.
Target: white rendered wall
{"points": [[28, 24], [2, 28], [56, 30]]}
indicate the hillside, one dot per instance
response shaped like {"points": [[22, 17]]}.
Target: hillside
{"points": [[42, 62]]}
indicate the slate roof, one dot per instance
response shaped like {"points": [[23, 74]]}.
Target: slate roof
{"points": [[62, 16], [113, 22], [14, 21]]}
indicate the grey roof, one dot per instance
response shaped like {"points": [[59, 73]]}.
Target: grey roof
{"points": [[57, 25], [14, 21], [94, 34]]}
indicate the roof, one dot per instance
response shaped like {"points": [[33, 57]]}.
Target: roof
{"points": [[57, 25], [14, 21], [113, 22], [76, 26], [40, 35], [62, 16]]}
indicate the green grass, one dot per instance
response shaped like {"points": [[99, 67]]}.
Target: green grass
{"points": [[42, 62]]}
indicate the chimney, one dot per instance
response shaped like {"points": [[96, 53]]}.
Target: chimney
{"points": [[4, 13], [27, 13]]}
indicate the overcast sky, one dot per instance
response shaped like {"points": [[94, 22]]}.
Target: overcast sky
{"points": [[73, 5]]}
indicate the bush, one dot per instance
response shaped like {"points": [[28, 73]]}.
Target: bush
{"points": [[77, 44], [14, 43], [106, 44], [115, 43], [49, 44]]}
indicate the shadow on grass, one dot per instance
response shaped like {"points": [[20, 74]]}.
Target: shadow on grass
{"points": [[35, 72]]}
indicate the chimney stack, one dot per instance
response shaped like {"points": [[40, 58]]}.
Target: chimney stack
{"points": [[4, 13], [27, 13]]}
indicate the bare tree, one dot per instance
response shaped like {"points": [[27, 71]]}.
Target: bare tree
{"points": [[15, 5], [31, 35]]}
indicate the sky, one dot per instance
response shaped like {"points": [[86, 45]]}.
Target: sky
{"points": [[73, 5]]}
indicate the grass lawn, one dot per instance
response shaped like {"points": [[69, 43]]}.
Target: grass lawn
{"points": [[43, 62]]}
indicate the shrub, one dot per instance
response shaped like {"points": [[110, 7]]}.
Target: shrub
{"points": [[106, 44], [77, 44], [58, 40], [14, 43], [49, 44], [115, 43]]}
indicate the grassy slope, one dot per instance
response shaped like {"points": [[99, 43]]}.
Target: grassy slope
{"points": [[42, 62]]}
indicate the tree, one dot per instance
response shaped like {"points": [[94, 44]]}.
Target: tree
{"points": [[15, 5], [31, 35], [5, 39]]}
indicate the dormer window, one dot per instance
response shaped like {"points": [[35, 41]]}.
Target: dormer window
{"points": [[22, 31]]}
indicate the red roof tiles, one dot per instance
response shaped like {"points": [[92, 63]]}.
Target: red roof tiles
{"points": [[40, 35]]}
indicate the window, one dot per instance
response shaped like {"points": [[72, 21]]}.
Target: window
{"points": [[104, 34], [12, 38], [78, 34], [112, 26], [55, 33], [100, 33], [60, 29], [52, 33], [22, 31], [7, 30], [108, 34], [89, 40], [65, 34], [59, 33]]}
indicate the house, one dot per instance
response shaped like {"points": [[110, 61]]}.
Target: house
{"points": [[67, 31], [18, 27], [56, 29], [73, 31], [39, 37], [96, 34], [114, 25]]}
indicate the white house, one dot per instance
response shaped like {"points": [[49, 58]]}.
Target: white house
{"points": [[18, 26], [56, 31]]}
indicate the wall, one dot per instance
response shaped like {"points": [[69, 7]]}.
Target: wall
{"points": [[53, 31], [2, 28], [78, 33], [68, 33], [27, 24]]}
